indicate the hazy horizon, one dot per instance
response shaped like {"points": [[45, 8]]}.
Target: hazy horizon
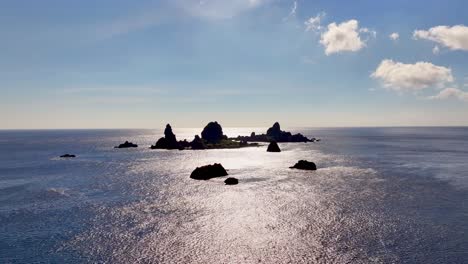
{"points": [[243, 63]]}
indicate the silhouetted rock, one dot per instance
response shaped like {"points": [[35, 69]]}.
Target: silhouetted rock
{"points": [[197, 143], [169, 141], [183, 144], [231, 181], [68, 156], [213, 133], [127, 145], [209, 171], [160, 144], [304, 165], [275, 133], [273, 147]]}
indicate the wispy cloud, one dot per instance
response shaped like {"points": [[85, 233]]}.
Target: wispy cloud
{"points": [[112, 89], [217, 9], [448, 93], [292, 13], [315, 23]]}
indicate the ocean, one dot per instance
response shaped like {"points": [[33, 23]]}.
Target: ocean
{"points": [[380, 195]]}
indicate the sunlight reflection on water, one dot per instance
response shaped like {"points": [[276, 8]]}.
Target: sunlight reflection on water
{"points": [[372, 200]]}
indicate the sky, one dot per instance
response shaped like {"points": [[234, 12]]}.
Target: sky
{"points": [[307, 63]]}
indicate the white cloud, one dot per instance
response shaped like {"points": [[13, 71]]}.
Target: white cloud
{"points": [[411, 77], [436, 50], [314, 23], [454, 38], [218, 9], [394, 36], [344, 37], [448, 93]]}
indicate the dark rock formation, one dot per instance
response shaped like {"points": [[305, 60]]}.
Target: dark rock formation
{"points": [[213, 133], [304, 165], [183, 144], [197, 143], [68, 156], [273, 147], [275, 133], [127, 145], [160, 144], [169, 141], [231, 181], [209, 171]]}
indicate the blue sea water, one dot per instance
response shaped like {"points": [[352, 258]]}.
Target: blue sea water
{"points": [[380, 195]]}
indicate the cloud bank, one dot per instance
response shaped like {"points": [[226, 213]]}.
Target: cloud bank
{"points": [[218, 9]]}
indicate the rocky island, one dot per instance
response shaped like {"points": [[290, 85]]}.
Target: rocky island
{"points": [[212, 137], [275, 133], [127, 144]]}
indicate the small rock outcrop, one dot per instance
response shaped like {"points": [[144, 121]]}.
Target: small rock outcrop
{"points": [[197, 143], [231, 181], [127, 145], [183, 144], [273, 147], [275, 133], [213, 133], [169, 141], [304, 165], [209, 171], [68, 156]]}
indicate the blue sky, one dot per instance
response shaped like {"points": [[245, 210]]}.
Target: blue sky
{"points": [[142, 64]]}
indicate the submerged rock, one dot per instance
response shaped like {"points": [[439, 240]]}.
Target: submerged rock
{"points": [[231, 181], [209, 171], [127, 145], [273, 147], [68, 156], [213, 133], [304, 165]]}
